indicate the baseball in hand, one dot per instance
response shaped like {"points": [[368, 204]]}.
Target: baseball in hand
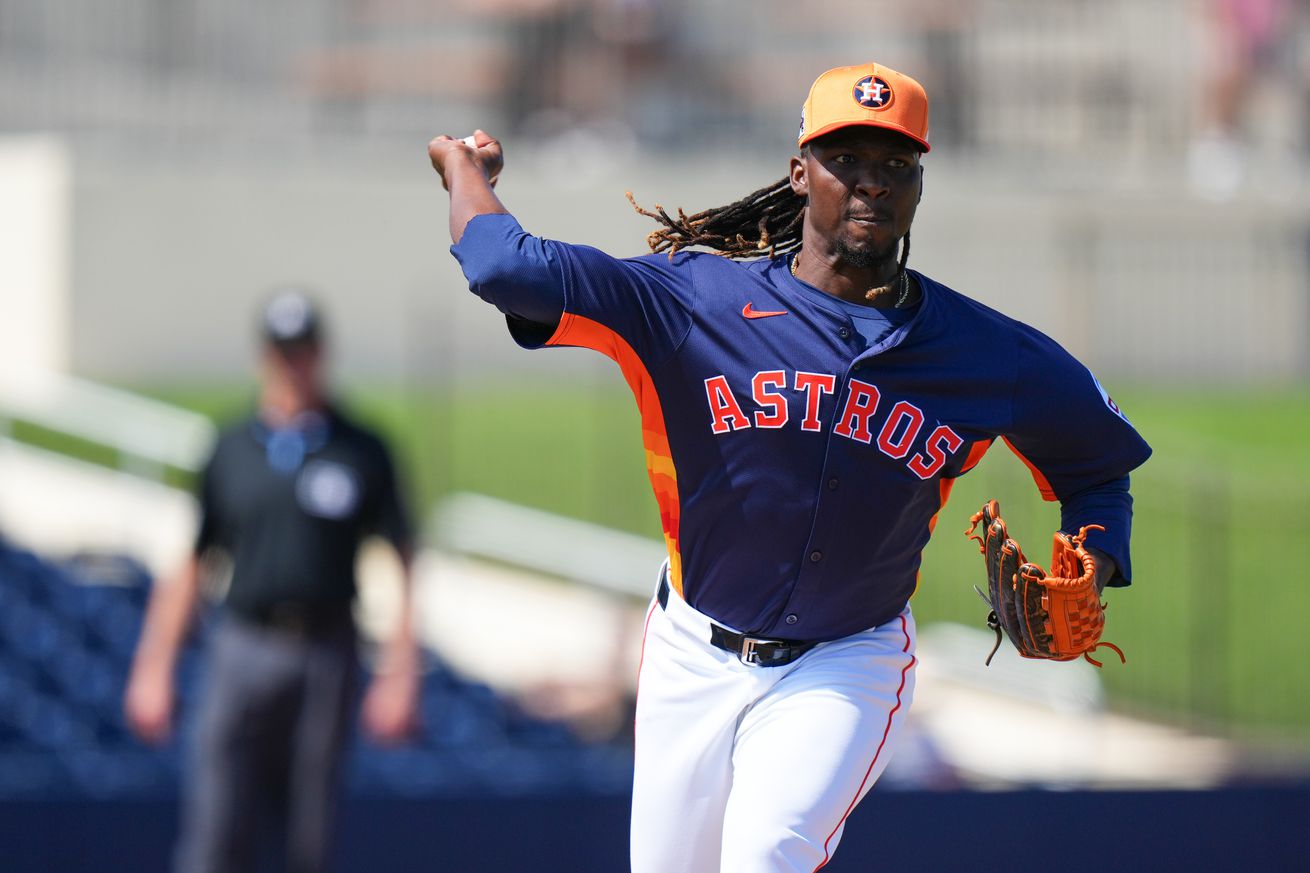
{"points": [[472, 143]]}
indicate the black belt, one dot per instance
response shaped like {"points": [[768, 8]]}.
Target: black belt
{"points": [[755, 651], [298, 619]]}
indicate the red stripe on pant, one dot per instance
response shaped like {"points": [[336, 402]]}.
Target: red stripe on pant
{"points": [[827, 855]]}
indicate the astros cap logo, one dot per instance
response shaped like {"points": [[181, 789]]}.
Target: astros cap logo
{"points": [[873, 92], [868, 95]]}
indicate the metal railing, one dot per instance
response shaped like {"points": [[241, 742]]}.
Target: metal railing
{"points": [[147, 436], [579, 551]]}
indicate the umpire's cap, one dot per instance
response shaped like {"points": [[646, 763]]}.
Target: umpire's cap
{"points": [[870, 95], [290, 317]]}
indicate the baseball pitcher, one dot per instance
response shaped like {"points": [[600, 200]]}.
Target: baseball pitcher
{"points": [[807, 401]]}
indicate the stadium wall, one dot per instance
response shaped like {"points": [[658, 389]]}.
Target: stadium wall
{"points": [[1238, 829], [167, 263]]}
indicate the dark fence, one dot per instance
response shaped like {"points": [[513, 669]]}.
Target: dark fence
{"points": [[911, 832]]}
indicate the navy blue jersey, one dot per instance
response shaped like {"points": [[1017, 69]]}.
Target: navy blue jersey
{"points": [[799, 470]]}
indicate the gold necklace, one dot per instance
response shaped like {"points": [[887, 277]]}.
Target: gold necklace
{"points": [[900, 300]]}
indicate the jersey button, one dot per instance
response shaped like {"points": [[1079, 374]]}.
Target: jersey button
{"points": [[832, 484], [816, 556], [844, 333], [792, 619]]}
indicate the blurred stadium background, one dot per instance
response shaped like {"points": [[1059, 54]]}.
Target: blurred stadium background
{"points": [[1129, 176]]}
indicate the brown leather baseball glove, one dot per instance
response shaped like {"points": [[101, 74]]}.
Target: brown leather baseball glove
{"points": [[1056, 615]]}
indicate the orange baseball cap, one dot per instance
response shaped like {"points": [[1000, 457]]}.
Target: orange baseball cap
{"points": [[867, 94]]}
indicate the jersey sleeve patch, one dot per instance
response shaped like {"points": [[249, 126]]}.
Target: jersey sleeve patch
{"points": [[1105, 396]]}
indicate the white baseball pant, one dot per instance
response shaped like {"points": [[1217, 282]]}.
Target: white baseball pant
{"points": [[750, 769]]}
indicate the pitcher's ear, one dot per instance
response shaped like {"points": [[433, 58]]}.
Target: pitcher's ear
{"points": [[800, 184]]}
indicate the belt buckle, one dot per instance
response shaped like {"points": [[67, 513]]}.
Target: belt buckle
{"points": [[749, 654]]}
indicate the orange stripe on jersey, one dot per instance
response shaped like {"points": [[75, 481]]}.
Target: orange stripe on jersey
{"points": [[576, 330], [976, 452], [944, 494], [1048, 493], [944, 486]]}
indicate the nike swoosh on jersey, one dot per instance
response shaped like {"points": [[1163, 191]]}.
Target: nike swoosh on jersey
{"points": [[749, 311]]}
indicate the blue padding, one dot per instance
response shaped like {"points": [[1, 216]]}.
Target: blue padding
{"points": [[66, 641]]}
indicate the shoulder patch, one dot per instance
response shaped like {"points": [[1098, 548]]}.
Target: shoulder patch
{"points": [[1105, 396]]}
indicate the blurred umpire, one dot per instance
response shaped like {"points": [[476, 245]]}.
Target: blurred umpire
{"points": [[288, 495]]}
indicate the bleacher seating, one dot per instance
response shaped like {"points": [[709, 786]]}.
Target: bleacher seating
{"points": [[67, 633]]}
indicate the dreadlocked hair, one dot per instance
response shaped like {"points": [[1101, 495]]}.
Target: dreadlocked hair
{"points": [[764, 222]]}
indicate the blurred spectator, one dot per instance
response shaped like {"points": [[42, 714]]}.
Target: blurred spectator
{"points": [[543, 36], [287, 495], [1249, 41], [578, 63]]}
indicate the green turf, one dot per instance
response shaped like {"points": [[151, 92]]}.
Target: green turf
{"points": [[1212, 626]]}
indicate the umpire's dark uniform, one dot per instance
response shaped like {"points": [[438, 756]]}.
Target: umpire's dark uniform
{"points": [[289, 506]]}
